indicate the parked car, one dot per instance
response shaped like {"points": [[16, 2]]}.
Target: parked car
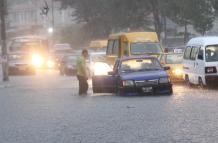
{"points": [[174, 61], [139, 75], [67, 65], [201, 61]]}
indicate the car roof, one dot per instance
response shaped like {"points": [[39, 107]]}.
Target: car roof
{"points": [[137, 36], [137, 57], [30, 37], [208, 40], [98, 53]]}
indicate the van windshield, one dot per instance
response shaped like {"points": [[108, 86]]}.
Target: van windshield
{"points": [[141, 48], [211, 53]]}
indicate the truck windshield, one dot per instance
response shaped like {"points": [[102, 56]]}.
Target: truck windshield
{"points": [[211, 53], [141, 48]]}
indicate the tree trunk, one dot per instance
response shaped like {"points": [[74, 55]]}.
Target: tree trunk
{"points": [[3, 39], [165, 29], [156, 16], [186, 33]]}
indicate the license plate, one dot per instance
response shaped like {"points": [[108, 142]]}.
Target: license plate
{"points": [[147, 89]]}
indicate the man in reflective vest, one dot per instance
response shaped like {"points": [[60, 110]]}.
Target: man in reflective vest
{"points": [[82, 72]]}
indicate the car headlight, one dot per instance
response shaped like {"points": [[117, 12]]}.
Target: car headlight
{"points": [[100, 68], [177, 72], [128, 83], [164, 80], [37, 60]]}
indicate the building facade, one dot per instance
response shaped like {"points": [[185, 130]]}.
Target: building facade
{"points": [[26, 17]]}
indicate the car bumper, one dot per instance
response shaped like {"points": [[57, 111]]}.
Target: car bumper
{"points": [[211, 79], [175, 78], [147, 90], [21, 69]]}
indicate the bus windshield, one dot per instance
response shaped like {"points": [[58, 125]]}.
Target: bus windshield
{"points": [[141, 48]]}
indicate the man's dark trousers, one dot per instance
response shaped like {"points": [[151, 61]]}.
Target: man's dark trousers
{"points": [[83, 84]]}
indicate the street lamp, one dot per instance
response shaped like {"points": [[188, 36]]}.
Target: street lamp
{"points": [[50, 30]]}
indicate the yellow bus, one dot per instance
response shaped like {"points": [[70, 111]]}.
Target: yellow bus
{"points": [[132, 44]]}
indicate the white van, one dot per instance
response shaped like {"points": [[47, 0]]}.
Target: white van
{"points": [[200, 61]]}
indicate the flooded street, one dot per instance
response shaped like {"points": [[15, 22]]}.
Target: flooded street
{"points": [[46, 108]]}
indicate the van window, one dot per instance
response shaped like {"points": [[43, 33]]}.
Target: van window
{"points": [[201, 54], [110, 47], [211, 53], [194, 53], [115, 50], [187, 53]]}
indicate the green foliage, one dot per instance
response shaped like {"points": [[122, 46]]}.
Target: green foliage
{"points": [[204, 16], [101, 17]]}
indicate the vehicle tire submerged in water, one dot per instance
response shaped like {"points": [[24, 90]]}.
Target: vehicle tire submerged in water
{"points": [[200, 83], [170, 92], [187, 81]]}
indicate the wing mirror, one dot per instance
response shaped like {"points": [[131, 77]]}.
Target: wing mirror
{"points": [[166, 68]]}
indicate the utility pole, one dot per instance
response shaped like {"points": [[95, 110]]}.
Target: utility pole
{"points": [[53, 23], [52, 10], [3, 41]]}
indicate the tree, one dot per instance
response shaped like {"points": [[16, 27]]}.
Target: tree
{"points": [[204, 16], [155, 9], [101, 17]]}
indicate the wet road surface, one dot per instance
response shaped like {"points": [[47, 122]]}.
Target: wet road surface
{"points": [[46, 109]]}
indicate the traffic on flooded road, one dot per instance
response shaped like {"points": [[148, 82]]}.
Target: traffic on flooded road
{"points": [[108, 71]]}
